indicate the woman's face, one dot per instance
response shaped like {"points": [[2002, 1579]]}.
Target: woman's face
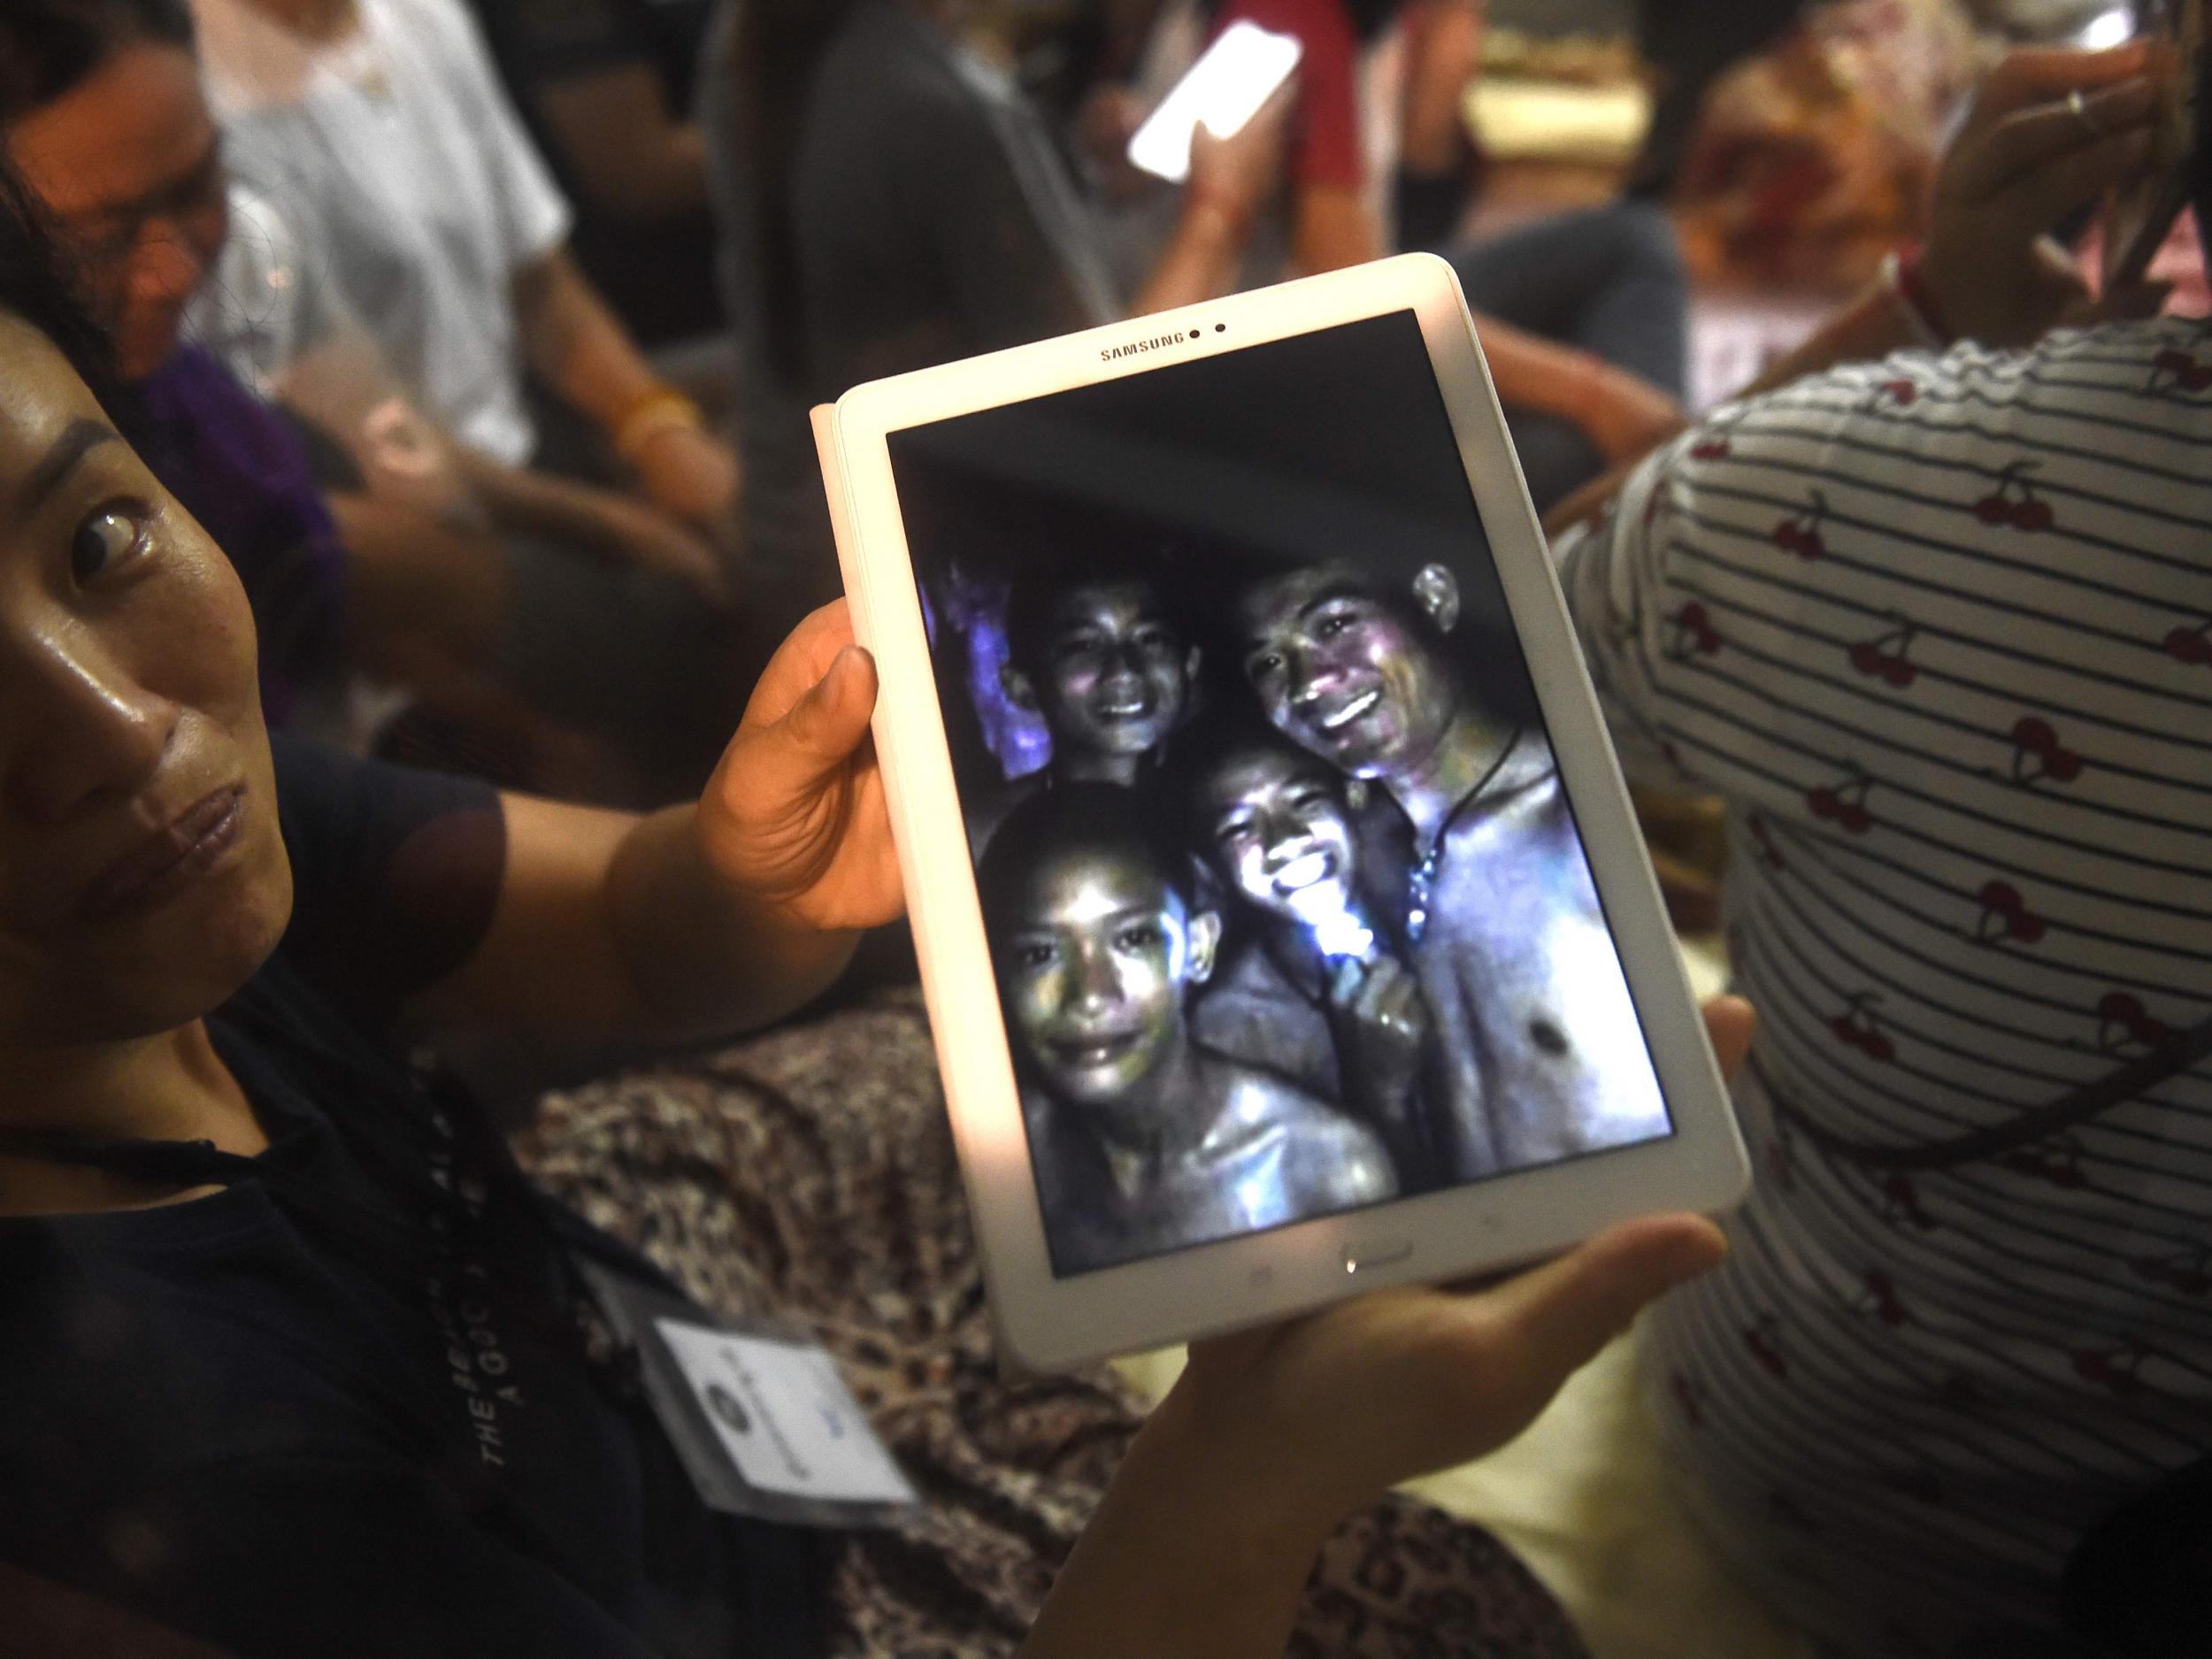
{"points": [[129, 164], [142, 876]]}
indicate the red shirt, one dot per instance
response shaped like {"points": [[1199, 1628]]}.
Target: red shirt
{"points": [[1325, 135]]}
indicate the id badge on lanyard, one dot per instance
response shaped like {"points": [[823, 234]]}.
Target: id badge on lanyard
{"points": [[755, 1409]]}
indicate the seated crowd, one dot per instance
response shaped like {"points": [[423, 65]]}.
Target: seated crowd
{"points": [[480, 637]]}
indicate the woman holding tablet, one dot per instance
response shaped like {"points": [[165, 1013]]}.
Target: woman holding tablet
{"points": [[254, 1279]]}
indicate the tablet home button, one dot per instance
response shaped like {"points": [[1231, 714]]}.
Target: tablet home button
{"points": [[1373, 1253]]}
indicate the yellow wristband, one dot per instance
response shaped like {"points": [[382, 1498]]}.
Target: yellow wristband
{"points": [[664, 409]]}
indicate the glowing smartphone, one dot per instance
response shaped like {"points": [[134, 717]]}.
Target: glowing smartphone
{"points": [[1225, 88]]}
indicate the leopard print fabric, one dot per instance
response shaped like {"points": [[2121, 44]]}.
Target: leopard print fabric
{"points": [[809, 1175]]}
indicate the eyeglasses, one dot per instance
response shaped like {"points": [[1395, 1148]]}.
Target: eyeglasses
{"points": [[107, 238]]}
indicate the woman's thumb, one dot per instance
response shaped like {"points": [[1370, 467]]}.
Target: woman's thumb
{"points": [[1567, 1309], [825, 726]]}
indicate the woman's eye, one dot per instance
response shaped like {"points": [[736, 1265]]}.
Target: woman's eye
{"points": [[1035, 954], [1329, 628], [1261, 665], [1140, 937], [107, 537]]}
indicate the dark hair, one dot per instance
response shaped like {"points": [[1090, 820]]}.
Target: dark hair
{"points": [[1205, 748], [35, 285], [48, 47], [774, 51], [1079, 818], [1033, 593]]}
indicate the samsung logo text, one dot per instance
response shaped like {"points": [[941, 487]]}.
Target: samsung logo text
{"points": [[1137, 349]]}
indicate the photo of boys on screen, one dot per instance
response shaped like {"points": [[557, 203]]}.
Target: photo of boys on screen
{"points": [[1287, 908]]}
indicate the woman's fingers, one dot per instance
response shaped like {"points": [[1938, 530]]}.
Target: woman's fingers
{"points": [[1553, 1319], [2028, 144], [1729, 1023], [808, 717], [799, 663], [825, 726], [2074, 181], [2038, 74]]}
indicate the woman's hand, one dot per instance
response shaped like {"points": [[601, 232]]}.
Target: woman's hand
{"points": [[1623, 415], [2025, 159], [795, 813], [1323, 1413], [1271, 1437]]}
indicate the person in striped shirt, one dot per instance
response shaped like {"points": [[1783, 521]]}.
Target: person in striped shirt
{"points": [[1938, 623]]}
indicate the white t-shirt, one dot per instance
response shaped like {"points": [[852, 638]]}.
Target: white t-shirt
{"points": [[406, 171]]}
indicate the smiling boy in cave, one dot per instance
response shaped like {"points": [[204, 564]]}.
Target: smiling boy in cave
{"points": [[1143, 1141]]}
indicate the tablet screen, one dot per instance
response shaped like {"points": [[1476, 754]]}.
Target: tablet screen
{"points": [[1287, 907]]}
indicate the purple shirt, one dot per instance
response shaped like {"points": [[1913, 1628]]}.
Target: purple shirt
{"points": [[243, 473]]}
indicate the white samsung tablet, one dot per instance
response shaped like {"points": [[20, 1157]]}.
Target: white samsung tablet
{"points": [[1284, 924]]}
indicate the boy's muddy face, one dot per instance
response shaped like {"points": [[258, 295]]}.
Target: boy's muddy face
{"points": [[1094, 970], [1116, 672], [1343, 674], [1278, 832]]}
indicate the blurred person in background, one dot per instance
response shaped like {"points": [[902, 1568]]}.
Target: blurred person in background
{"points": [[1934, 613], [609, 87], [346, 511], [1583, 315], [1812, 157], [890, 199], [379, 128]]}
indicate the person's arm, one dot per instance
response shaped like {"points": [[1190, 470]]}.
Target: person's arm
{"points": [[706, 920], [615, 527], [1443, 52], [1203, 1546], [575, 343], [629, 154], [1332, 222], [1621, 414], [2023, 161], [1230, 180], [585, 354], [1332, 227]]}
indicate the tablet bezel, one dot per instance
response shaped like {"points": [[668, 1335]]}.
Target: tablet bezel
{"points": [[1047, 1322]]}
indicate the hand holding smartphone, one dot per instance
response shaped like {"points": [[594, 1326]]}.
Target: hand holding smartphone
{"points": [[2142, 212], [1230, 83]]}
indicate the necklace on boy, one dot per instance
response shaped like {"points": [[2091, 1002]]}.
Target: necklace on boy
{"points": [[1421, 883]]}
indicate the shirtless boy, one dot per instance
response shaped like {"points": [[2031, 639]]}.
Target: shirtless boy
{"points": [[1103, 660], [1143, 1141], [1545, 1056], [1316, 985]]}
